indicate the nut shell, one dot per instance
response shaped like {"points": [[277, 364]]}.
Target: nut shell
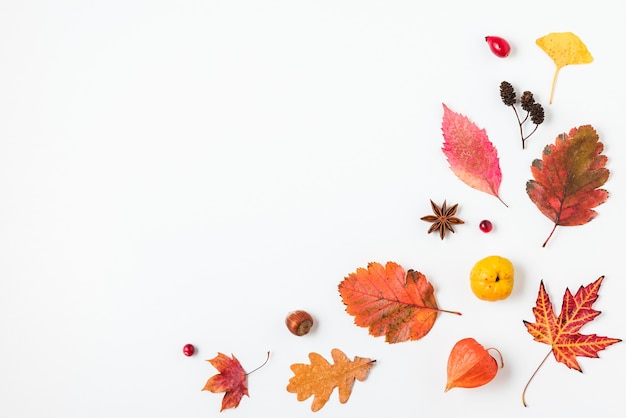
{"points": [[299, 322]]}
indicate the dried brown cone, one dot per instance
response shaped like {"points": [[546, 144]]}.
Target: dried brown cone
{"points": [[527, 101], [536, 113], [507, 93]]}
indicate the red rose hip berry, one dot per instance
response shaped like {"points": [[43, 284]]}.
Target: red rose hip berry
{"points": [[485, 226], [188, 350], [499, 46]]}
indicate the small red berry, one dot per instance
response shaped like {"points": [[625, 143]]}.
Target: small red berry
{"points": [[189, 349], [499, 46], [485, 226]]}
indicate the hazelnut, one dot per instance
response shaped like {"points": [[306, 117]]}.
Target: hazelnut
{"points": [[299, 322]]}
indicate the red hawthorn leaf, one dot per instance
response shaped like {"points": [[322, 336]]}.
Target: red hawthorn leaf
{"points": [[391, 302], [562, 332], [231, 379], [568, 177], [470, 153]]}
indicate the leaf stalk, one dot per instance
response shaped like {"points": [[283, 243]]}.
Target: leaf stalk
{"points": [[556, 73], [450, 312], [531, 378], [550, 236], [264, 363]]}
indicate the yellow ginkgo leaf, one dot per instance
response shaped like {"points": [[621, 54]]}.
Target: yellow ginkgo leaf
{"points": [[564, 48]]}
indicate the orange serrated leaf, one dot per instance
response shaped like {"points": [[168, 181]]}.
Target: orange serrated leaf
{"points": [[320, 378], [562, 332], [564, 48], [567, 179], [391, 302]]}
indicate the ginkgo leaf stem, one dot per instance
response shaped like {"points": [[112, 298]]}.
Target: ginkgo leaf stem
{"points": [[556, 73], [549, 236], [531, 378], [264, 363]]}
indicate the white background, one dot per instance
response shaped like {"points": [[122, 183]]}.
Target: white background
{"points": [[185, 171]]}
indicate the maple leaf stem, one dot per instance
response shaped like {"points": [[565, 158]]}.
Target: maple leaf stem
{"points": [[264, 363], [549, 236], [531, 378]]}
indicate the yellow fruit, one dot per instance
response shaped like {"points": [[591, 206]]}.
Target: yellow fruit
{"points": [[492, 278]]}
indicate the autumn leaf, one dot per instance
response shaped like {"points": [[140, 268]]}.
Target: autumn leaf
{"points": [[391, 302], [564, 48], [320, 378], [568, 177], [232, 380], [562, 332], [470, 153]]}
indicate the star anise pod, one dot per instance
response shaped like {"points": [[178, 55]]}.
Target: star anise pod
{"points": [[443, 218]]}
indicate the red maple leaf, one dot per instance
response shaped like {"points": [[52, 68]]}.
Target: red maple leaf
{"points": [[231, 379], [562, 332], [568, 177], [400, 305]]}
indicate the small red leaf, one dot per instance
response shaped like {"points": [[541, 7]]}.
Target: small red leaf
{"points": [[231, 380]]}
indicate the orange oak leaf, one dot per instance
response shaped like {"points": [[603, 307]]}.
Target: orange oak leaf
{"points": [[320, 378], [470, 153], [562, 332], [567, 179], [391, 302], [231, 379]]}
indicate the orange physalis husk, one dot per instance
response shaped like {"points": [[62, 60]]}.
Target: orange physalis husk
{"points": [[470, 365]]}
